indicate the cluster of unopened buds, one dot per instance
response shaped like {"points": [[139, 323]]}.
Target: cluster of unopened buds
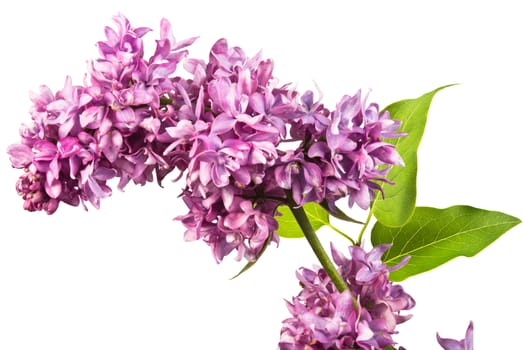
{"points": [[245, 145]]}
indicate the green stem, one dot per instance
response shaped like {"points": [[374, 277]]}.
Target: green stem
{"points": [[317, 248]]}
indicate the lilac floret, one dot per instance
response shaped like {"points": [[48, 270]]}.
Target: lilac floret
{"points": [[463, 344]]}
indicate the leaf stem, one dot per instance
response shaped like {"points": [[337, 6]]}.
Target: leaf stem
{"points": [[317, 248], [335, 229], [362, 231]]}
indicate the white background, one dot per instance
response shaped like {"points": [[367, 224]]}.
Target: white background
{"points": [[123, 278]]}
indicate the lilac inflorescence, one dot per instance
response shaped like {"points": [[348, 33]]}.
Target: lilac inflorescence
{"points": [[83, 136], [363, 317], [223, 129]]}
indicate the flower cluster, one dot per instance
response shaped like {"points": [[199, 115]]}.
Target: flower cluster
{"points": [[83, 136], [363, 317], [227, 128]]}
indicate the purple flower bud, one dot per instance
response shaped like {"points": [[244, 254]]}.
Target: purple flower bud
{"points": [[31, 187], [304, 179]]}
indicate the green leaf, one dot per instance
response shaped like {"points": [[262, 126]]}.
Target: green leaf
{"points": [[434, 236], [288, 226], [400, 198]]}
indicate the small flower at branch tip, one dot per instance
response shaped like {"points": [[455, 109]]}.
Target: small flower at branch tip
{"points": [[463, 344]]}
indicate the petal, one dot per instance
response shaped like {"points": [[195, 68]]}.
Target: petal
{"points": [[298, 192], [377, 252], [57, 106], [163, 70], [349, 107], [43, 97], [318, 149], [20, 155], [66, 127], [235, 220], [84, 99], [222, 124], [469, 343], [360, 197], [104, 174], [205, 173], [53, 188], [99, 190], [449, 344], [246, 84], [125, 116], [337, 256], [220, 175], [142, 96], [312, 174], [74, 166], [54, 168], [283, 177], [402, 263], [111, 144], [68, 146], [242, 176], [264, 72], [364, 332], [166, 31], [227, 197], [257, 103]]}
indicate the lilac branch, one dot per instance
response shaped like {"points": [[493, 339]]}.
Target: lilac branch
{"points": [[317, 248]]}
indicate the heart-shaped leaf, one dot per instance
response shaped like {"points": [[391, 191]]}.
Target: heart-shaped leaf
{"points": [[400, 198], [434, 236], [288, 226]]}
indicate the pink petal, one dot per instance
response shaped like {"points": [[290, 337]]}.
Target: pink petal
{"points": [[235, 220], [53, 188], [20, 155], [111, 144]]}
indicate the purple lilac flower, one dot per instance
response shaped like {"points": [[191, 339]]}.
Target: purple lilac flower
{"points": [[324, 319], [233, 150], [223, 129], [82, 136], [235, 153], [303, 178], [351, 151], [242, 228], [464, 344]]}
